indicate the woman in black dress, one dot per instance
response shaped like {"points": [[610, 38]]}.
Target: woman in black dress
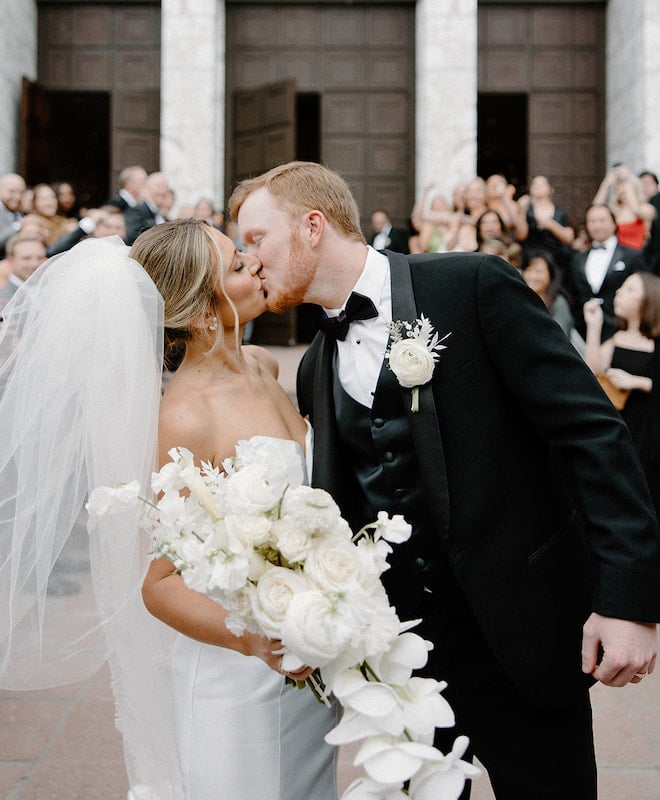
{"points": [[630, 362]]}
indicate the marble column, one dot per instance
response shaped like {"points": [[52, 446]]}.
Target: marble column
{"points": [[192, 148], [632, 97], [18, 45], [446, 93]]}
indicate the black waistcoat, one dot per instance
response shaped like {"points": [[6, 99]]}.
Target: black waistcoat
{"points": [[379, 449]]}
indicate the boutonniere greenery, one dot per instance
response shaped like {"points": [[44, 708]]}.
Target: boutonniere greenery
{"points": [[414, 349]]}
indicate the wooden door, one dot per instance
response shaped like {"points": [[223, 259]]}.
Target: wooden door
{"points": [[264, 136], [555, 55], [264, 128], [34, 139]]}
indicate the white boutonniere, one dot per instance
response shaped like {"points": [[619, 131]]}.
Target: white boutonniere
{"points": [[413, 351]]}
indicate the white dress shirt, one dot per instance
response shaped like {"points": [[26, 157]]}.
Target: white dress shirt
{"points": [[597, 263], [360, 355]]}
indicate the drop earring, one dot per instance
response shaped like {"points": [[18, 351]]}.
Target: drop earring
{"points": [[214, 324]]}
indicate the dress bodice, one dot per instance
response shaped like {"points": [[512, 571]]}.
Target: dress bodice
{"points": [[299, 461]]}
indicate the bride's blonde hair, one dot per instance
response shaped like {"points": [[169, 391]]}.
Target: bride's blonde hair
{"points": [[184, 261]]}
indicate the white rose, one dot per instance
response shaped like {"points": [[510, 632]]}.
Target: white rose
{"points": [[275, 591], [411, 361], [247, 532], [292, 541], [312, 630], [333, 564]]}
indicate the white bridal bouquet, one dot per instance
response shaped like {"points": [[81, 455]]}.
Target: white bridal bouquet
{"points": [[278, 555]]}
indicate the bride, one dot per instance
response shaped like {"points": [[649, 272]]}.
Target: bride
{"points": [[90, 323]]}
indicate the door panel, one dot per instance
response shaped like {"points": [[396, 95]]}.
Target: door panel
{"points": [[554, 54], [359, 59], [111, 48]]}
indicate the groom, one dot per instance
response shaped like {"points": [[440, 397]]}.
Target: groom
{"points": [[535, 551]]}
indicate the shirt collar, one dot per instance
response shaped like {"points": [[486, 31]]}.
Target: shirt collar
{"points": [[373, 282]]}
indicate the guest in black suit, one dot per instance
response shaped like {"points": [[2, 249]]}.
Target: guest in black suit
{"points": [[600, 270], [528, 558], [385, 235], [12, 188], [132, 188], [151, 211]]}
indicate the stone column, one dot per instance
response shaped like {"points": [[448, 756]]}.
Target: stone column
{"points": [[632, 101], [192, 117], [18, 45], [446, 93]]}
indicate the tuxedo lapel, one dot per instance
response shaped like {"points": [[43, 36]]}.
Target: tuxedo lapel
{"points": [[327, 465], [424, 425]]}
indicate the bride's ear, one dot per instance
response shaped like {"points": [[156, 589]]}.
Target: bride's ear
{"points": [[209, 322]]}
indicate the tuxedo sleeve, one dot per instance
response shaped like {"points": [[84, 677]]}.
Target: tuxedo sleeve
{"points": [[562, 399]]}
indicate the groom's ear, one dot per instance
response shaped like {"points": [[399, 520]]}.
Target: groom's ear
{"points": [[314, 226]]}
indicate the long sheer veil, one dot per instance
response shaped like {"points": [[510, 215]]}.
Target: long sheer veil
{"points": [[80, 376]]}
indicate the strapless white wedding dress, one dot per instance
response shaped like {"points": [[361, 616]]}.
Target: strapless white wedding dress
{"points": [[242, 734]]}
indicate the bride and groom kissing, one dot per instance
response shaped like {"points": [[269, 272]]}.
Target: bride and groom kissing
{"points": [[439, 388]]}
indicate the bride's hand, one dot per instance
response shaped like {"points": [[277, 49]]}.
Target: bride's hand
{"points": [[270, 652]]}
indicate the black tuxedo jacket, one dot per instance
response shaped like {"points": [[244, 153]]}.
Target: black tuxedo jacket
{"points": [[138, 218], [535, 489], [623, 263]]}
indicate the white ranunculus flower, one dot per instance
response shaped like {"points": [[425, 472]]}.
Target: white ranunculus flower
{"points": [[411, 361], [315, 511], [313, 630], [280, 457], [108, 500], [274, 593], [254, 490]]}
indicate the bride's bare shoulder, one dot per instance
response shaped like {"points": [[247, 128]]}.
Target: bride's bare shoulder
{"points": [[264, 358], [182, 422]]}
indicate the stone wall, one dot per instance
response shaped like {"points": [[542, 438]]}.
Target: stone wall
{"points": [[446, 114], [18, 45], [633, 100]]}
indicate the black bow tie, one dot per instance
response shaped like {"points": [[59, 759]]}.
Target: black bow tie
{"points": [[357, 307], [598, 247]]}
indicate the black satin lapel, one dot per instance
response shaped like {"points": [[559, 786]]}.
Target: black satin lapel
{"points": [[325, 424], [424, 426]]}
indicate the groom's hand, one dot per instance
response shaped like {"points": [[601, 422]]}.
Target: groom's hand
{"points": [[629, 649]]}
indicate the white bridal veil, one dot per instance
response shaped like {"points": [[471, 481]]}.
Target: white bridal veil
{"points": [[80, 377]]}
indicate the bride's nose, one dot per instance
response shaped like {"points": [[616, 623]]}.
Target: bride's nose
{"points": [[254, 265]]}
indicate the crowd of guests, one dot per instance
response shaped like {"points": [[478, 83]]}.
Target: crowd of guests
{"points": [[44, 220], [597, 279]]}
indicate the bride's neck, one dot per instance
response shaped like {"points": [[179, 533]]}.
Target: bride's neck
{"points": [[228, 358]]}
